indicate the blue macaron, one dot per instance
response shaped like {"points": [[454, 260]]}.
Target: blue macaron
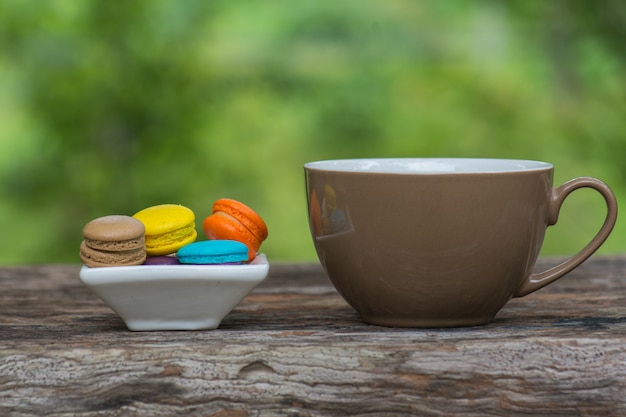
{"points": [[213, 252]]}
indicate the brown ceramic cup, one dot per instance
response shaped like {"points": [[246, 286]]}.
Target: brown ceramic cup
{"points": [[438, 242]]}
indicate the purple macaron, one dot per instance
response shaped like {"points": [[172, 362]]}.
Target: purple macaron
{"points": [[161, 260]]}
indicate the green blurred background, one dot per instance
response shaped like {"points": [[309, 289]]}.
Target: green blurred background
{"points": [[107, 107]]}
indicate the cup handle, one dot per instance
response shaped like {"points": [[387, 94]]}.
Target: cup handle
{"points": [[539, 280]]}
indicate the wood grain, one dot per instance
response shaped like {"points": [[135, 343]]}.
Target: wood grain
{"points": [[293, 347]]}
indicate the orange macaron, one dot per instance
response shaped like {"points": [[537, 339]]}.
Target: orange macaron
{"points": [[233, 220]]}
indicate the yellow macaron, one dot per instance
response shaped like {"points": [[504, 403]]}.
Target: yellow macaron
{"points": [[169, 227]]}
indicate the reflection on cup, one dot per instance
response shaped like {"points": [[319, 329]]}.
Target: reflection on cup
{"points": [[329, 217]]}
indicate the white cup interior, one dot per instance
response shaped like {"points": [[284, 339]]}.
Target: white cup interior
{"points": [[428, 165]]}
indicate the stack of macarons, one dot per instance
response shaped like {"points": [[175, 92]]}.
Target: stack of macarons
{"points": [[166, 234]]}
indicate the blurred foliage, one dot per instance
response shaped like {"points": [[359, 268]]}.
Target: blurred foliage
{"points": [[107, 107]]}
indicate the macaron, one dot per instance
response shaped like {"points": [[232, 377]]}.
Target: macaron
{"points": [[213, 252], [115, 240], [233, 220], [169, 227], [161, 260]]}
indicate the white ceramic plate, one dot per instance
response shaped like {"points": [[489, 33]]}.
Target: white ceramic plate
{"points": [[174, 297]]}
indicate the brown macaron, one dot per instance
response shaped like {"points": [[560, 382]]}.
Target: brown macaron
{"points": [[115, 240]]}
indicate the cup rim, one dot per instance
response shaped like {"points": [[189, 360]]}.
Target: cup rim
{"points": [[427, 166]]}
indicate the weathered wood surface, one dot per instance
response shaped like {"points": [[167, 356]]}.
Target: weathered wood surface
{"points": [[294, 347]]}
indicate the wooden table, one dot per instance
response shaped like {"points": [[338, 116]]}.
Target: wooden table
{"points": [[294, 347]]}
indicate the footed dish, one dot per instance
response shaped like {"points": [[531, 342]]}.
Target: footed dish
{"points": [[174, 297]]}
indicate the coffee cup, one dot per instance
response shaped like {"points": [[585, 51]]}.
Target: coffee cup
{"points": [[434, 242]]}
